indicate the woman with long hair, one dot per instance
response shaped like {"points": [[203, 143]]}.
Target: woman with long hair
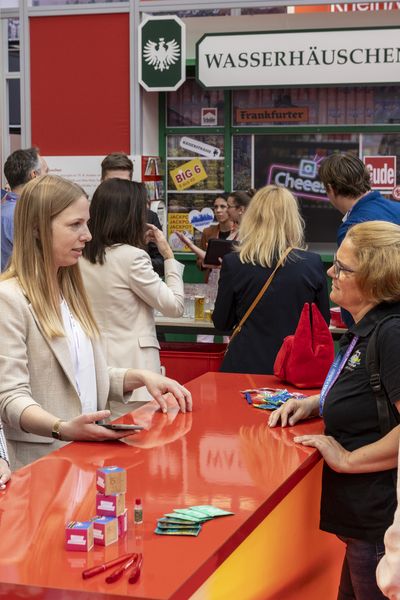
{"points": [[270, 226], [54, 379], [121, 283]]}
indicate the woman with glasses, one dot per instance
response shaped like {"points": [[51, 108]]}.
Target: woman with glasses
{"points": [[54, 380], [270, 226], [358, 485], [237, 204]]}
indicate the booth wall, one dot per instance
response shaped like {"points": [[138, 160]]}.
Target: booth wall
{"points": [[80, 84]]}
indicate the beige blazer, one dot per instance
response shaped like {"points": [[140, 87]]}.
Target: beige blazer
{"points": [[38, 370], [124, 292]]}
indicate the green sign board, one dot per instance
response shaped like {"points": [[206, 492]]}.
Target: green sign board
{"points": [[162, 53]]}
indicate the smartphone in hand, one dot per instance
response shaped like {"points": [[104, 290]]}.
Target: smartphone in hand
{"points": [[121, 426]]}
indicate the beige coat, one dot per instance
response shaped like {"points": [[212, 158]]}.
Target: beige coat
{"points": [[124, 292], [36, 370]]}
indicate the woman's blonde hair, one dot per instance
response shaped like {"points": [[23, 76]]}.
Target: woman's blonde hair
{"points": [[271, 224], [32, 260], [377, 251]]}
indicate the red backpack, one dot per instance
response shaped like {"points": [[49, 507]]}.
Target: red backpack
{"points": [[304, 358]]}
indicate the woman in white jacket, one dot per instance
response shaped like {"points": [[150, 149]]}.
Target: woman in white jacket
{"points": [[121, 283]]}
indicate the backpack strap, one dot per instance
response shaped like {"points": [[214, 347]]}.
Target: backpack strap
{"points": [[388, 415]]}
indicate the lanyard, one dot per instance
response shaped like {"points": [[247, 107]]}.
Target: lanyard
{"points": [[335, 371]]}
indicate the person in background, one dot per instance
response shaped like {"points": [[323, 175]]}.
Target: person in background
{"points": [[5, 472], [347, 182], [221, 230], [54, 380], [358, 483], [237, 204], [120, 165], [123, 288], [20, 167], [270, 225]]}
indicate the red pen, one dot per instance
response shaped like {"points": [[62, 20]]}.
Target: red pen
{"points": [[117, 574], [134, 576], [105, 566]]}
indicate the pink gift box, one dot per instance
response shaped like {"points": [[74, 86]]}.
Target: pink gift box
{"points": [[110, 505], [79, 536]]}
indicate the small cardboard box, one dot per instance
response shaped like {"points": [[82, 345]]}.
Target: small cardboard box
{"points": [[105, 530], [111, 480], [123, 523], [79, 536], [110, 505]]}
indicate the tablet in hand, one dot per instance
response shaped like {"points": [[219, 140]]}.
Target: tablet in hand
{"points": [[216, 249]]}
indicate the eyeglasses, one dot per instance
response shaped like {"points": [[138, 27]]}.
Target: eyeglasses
{"points": [[231, 205], [338, 268]]}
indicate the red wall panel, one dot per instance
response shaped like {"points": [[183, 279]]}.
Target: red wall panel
{"points": [[80, 84]]}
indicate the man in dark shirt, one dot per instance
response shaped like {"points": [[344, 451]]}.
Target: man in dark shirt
{"points": [[120, 165]]}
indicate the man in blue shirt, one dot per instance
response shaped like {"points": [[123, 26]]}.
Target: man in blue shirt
{"points": [[348, 187], [20, 167]]}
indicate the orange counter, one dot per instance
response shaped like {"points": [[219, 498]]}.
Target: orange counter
{"points": [[221, 454]]}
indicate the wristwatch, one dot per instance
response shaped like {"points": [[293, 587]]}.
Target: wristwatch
{"points": [[55, 432]]}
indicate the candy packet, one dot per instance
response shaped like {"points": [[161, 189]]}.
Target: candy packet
{"points": [[194, 531], [211, 511]]}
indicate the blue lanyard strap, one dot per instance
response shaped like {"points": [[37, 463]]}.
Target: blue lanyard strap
{"points": [[334, 372]]}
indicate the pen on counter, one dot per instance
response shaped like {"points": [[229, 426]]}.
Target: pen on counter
{"points": [[134, 576], [117, 574], [105, 566]]}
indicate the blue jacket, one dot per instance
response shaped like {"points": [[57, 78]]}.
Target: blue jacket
{"points": [[371, 207]]}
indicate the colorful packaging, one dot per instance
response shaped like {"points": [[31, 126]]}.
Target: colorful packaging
{"points": [[211, 511], [110, 505], [123, 523], [194, 531], [111, 480], [105, 530], [79, 536]]}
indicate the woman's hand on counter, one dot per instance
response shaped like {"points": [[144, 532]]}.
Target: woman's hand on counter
{"points": [[5, 473], [294, 410], [332, 452], [159, 386]]}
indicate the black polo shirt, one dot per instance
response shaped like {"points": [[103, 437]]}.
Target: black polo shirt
{"points": [[361, 505]]}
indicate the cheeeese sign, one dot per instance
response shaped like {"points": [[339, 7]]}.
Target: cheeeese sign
{"points": [[299, 180], [382, 170], [318, 57]]}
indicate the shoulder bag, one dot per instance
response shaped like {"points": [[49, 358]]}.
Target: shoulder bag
{"points": [[258, 297]]}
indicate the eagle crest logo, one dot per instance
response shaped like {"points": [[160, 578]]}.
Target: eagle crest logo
{"points": [[161, 54]]}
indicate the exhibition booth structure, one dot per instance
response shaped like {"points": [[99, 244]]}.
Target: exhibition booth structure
{"points": [[230, 101]]}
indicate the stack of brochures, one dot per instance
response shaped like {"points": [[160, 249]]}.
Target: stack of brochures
{"points": [[188, 521]]}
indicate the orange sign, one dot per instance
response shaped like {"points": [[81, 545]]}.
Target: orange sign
{"points": [[293, 114]]}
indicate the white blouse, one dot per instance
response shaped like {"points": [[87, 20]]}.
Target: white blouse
{"points": [[81, 351]]}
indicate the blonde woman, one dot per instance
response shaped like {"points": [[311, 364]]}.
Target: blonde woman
{"points": [[270, 225], [54, 380]]}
